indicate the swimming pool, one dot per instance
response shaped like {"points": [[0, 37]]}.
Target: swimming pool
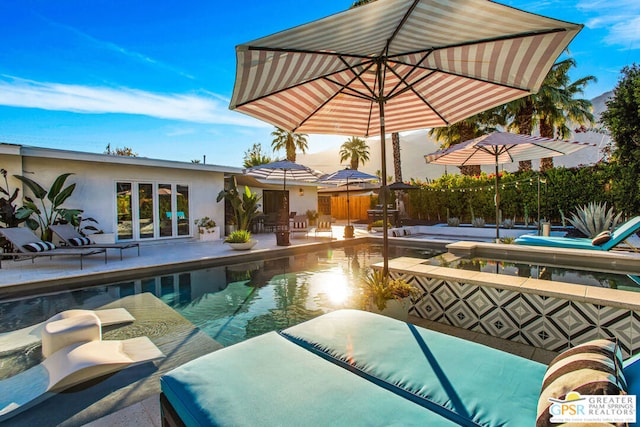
{"points": [[534, 270], [230, 303]]}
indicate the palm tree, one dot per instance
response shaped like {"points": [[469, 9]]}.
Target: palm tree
{"points": [[356, 151], [290, 142], [552, 107], [558, 105]]}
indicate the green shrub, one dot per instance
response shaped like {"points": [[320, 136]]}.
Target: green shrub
{"points": [[238, 236]]}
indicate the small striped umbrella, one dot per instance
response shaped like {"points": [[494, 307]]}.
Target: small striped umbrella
{"points": [[396, 65], [348, 176], [283, 170], [503, 147]]}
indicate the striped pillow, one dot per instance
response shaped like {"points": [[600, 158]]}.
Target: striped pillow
{"points": [[80, 241], [39, 246], [592, 368]]}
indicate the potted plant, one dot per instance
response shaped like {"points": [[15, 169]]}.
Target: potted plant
{"points": [[387, 296], [312, 216], [207, 229], [240, 240]]}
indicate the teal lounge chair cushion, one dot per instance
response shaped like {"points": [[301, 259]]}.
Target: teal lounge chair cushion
{"points": [[462, 379], [270, 381], [618, 236]]}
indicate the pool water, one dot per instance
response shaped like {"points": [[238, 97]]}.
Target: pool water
{"points": [[621, 281], [234, 302]]}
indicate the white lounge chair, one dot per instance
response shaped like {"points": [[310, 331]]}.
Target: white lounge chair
{"points": [[74, 353], [25, 243], [72, 239], [13, 341]]}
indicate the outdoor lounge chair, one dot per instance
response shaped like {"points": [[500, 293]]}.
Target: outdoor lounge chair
{"points": [[74, 352], [356, 368], [619, 236], [299, 224], [31, 335], [25, 243], [71, 238], [324, 225]]}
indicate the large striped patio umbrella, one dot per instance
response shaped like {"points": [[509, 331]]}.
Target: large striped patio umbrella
{"points": [[396, 65], [503, 147]]}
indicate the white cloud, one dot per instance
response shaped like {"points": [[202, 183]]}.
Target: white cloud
{"points": [[621, 20], [98, 100]]}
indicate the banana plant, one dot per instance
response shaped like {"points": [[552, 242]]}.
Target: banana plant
{"points": [[7, 207], [245, 205], [47, 213]]}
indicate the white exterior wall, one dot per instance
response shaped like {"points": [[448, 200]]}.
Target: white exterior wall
{"points": [[297, 203], [95, 191]]}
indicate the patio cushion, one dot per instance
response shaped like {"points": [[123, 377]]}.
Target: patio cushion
{"points": [[269, 381], [39, 246], [592, 368], [462, 380], [601, 238], [80, 241]]}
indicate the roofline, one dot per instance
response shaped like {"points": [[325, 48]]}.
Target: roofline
{"points": [[53, 153]]}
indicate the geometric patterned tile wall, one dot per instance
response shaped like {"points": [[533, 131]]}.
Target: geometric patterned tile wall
{"points": [[540, 321]]}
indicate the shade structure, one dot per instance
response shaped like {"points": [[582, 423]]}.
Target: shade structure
{"points": [[283, 170], [503, 147], [396, 65], [345, 177]]}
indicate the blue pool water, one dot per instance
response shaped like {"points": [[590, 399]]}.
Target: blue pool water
{"points": [[629, 282], [234, 302]]}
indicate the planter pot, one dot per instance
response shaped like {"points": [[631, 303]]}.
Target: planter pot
{"points": [[282, 238], [212, 234], [348, 231], [107, 238], [396, 309], [243, 246]]}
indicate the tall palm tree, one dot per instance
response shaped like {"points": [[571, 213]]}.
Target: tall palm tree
{"points": [[558, 105], [552, 107], [290, 142], [356, 151]]}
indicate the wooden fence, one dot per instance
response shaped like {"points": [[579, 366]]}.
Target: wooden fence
{"points": [[358, 207]]}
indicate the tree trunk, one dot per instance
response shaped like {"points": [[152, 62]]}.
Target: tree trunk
{"points": [[397, 165], [467, 132], [546, 131], [524, 124]]}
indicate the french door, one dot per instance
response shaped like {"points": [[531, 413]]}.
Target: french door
{"points": [[151, 210]]}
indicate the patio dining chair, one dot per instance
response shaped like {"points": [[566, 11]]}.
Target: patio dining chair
{"points": [[70, 238], [28, 245], [299, 224], [324, 225]]}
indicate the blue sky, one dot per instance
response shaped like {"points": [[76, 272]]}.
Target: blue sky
{"points": [[158, 76]]}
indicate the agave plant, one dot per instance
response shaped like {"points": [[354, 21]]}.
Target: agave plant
{"points": [[453, 221], [594, 218], [478, 222]]}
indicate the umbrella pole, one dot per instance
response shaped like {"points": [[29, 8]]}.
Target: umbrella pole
{"points": [[383, 168], [348, 213], [497, 203]]}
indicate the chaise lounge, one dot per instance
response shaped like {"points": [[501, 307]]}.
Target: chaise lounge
{"points": [[28, 245], [71, 238], [356, 368], [619, 236]]}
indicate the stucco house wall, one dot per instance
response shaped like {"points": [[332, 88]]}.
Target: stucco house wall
{"points": [[95, 176]]}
